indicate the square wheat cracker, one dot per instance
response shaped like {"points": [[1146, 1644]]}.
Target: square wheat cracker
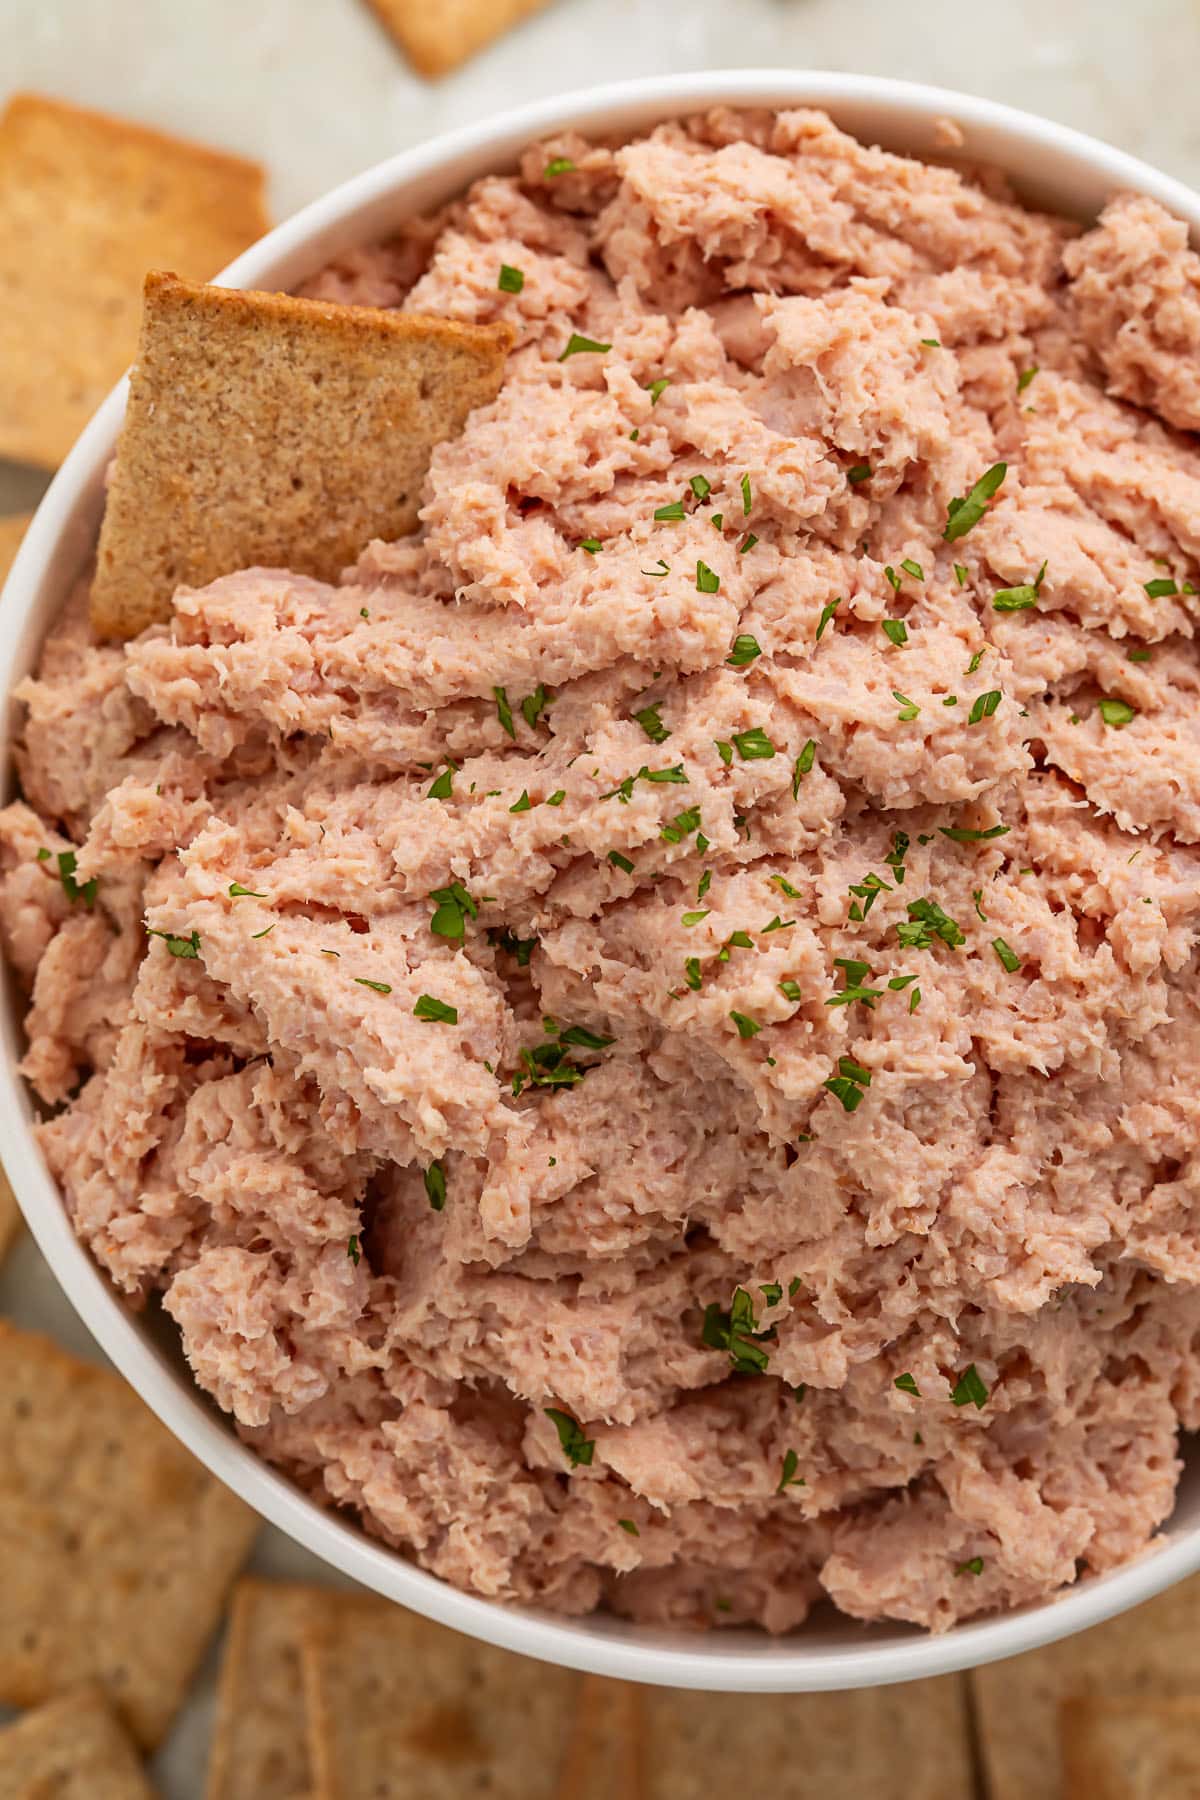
{"points": [[72, 1749], [260, 1738], [263, 430], [437, 38], [116, 1546], [1152, 1651], [1143, 1749], [397, 1707], [88, 203]]}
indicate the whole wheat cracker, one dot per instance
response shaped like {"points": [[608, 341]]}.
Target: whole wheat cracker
{"points": [[437, 38], [1121, 1749], [1152, 1651], [12, 530], [260, 1736], [116, 1546], [88, 203], [264, 430], [74, 1748], [398, 1706]]}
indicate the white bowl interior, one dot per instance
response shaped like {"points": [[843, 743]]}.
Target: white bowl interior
{"points": [[1050, 166]]}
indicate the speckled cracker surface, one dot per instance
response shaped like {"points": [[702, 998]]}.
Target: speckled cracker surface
{"points": [[260, 1738], [1130, 1749], [437, 38], [88, 203], [399, 1707], [116, 1547], [72, 1749], [1152, 1651], [268, 431], [12, 530]]}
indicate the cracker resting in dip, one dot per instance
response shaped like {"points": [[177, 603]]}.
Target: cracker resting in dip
{"points": [[647, 1035]]}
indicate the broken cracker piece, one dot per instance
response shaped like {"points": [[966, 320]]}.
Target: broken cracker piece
{"points": [[437, 38], [116, 1546], [260, 1739], [72, 1749], [12, 530], [1130, 1749], [266, 431], [398, 1706], [88, 203]]}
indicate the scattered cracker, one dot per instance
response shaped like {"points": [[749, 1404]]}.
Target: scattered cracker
{"points": [[437, 38], [1130, 1749], [269, 431], [12, 530], [881, 1743], [398, 1707], [88, 203], [72, 1749], [116, 1547], [606, 1751], [1154, 1650], [260, 1738]]}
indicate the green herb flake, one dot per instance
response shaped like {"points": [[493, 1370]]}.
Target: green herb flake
{"points": [[652, 725], [556, 798], [960, 834], [1137, 656], [443, 787], [745, 650], [1019, 599], [578, 1449], [629, 1526], [79, 890], [1007, 955], [895, 629], [747, 543], [790, 990], [523, 804], [620, 862], [428, 1007], [963, 513], [984, 706], [960, 574], [973, 1564], [736, 1331], [578, 346], [908, 708], [754, 745], [907, 1384], [707, 580], [1025, 377], [803, 764], [238, 892], [1161, 588], [504, 711], [353, 1251], [558, 165], [655, 389], [453, 907], [892, 577], [591, 545], [969, 1389], [913, 568], [746, 1026], [828, 612], [186, 947], [860, 472], [747, 496], [789, 1477], [511, 280], [926, 921], [700, 485], [1117, 713], [435, 1185], [694, 918], [692, 974], [261, 934]]}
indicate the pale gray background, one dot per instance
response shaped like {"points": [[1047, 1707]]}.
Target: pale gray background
{"points": [[316, 90]]}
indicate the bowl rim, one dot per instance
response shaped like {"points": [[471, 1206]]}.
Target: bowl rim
{"points": [[54, 550]]}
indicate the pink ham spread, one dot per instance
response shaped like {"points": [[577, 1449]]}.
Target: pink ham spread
{"points": [[648, 1039]]}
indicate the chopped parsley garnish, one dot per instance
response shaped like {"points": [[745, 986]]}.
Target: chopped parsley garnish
{"points": [[558, 165], [453, 907], [428, 1007], [984, 706], [778, 924], [895, 857], [1117, 713], [898, 982], [927, 921], [353, 1251], [1025, 377], [578, 345], [556, 798], [977, 897], [692, 974], [960, 834], [746, 1026], [591, 545], [535, 704], [578, 1449], [867, 891], [651, 724], [1020, 599], [860, 472], [850, 1083], [504, 711], [663, 569], [443, 787], [974, 1564], [963, 513], [1137, 656], [77, 890], [907, 1384], [671, 512], [896, 630], [587, 1040], [655, 388], [974, 663], [187, 947], [523, 804], [620, 862], [707, 580], [704, 883], [908, 708], [790, 990], [737, 1332], [754, 745], [681, 826], [745, 649], [435, 1185], [893, 578], [266, 933], [238, 892], [913, 568], [385, 987], [802, 765], [785, 886], [827, 613], [969, 1389], [789, 1477], [932, 343], [694, 918], [511, 280], [747, 543], [1007, 955], [700, 485], [624, 790], [1161, 588], [960, 574], [629, 1526], [747, 496], [520, 948]]}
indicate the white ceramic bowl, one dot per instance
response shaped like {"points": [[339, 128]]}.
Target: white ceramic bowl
{"points": [[1050, 166]]}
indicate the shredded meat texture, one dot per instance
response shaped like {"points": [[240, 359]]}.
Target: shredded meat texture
{"points": [[647, 1038]]}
